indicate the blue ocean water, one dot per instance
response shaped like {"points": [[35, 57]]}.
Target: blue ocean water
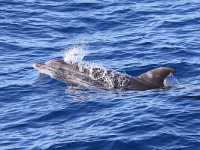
{"points": [[38, 112]]}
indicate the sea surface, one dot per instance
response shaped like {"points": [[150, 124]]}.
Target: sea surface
{"points": [[40, 113]]}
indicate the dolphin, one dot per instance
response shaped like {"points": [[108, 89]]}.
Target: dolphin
{"points": [[89, 75]]}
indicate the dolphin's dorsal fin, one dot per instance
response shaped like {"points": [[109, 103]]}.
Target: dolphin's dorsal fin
{"points": [[156, 76]]}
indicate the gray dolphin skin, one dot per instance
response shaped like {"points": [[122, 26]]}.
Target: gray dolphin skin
{"points": [[93, 76]]}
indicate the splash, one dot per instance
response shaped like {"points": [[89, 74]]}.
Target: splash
{"points": [[75, 54], [96, 72], [171, 81]]}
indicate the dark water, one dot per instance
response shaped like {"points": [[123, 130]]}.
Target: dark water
{"points": [[38, 112]]}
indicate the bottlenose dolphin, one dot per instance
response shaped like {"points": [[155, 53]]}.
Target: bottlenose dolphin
{"points": [[86, 74]]}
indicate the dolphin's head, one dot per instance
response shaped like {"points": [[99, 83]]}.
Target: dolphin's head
{"points": [[60, 70], [43, 69], [51, 67]]}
